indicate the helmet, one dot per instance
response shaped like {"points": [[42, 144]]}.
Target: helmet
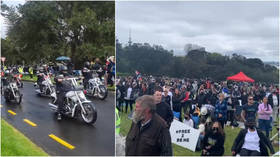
{"points": [[41, 69], [63, 68], [7, 71], [203, 110], [87, 64]]}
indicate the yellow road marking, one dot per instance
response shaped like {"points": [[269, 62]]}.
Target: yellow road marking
{"points": [[11, 112], [29, 122], [59, 140]]}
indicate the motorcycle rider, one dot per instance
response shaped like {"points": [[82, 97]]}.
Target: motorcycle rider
{"points": [[40, 77], [98, 67], [7, 77], [86, 73], [61, 89]]}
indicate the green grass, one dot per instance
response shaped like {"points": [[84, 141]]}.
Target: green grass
{"points": [[28, 78], [14, 143], [231, 134], [111, 88]]}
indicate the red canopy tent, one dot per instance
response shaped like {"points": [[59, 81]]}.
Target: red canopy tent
{"points": [[240, 77]]}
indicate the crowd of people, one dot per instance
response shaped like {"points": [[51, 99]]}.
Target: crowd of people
{"points": [[107, 68], [205, 105]]}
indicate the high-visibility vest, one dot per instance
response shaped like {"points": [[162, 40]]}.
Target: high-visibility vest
{"points": [[20, 70], [118, 122], [5, 68], [30, 70]]}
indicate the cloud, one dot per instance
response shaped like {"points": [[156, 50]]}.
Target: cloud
{"points": [[3, 22], [250, 28]]}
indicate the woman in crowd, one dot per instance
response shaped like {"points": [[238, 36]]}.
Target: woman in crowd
{"points": [[264, 114], [251, 142], [176, 101], [213, 142], [221, 110], [128, 97], [166, 97]]}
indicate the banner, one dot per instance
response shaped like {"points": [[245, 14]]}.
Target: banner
{"points": [[183, 135]]}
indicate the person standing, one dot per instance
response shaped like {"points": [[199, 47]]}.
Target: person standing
{"points": [[162, 108], [166, 97], [176, 101], [30, 70], [149, 134], [221, 110], [273, 100], [128, 97], [264, 114], [249, 110]]}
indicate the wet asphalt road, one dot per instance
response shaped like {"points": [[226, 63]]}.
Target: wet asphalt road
{"points": [[91, 140]]}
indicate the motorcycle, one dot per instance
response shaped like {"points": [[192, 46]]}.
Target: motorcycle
{"points": [[11, 91], [76, 103], [95, 87], [47, 86]]}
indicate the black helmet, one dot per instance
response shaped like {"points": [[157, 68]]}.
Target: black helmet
{"points": [[87, 64]]}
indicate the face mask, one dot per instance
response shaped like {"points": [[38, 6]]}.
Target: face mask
{"points": [[251, 126], [215, 130], [187, 118]]}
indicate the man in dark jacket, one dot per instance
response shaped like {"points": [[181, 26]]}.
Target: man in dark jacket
{"points": [[162, 108], [243, 142], [149, 134], [62, 87]]}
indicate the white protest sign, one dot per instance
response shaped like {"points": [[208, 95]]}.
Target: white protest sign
{"points": [[183, 135]]}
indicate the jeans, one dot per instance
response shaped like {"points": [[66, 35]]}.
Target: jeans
{"points": [[246, 152], [130, 102], [200, 139], [275, 113], [60, 101], [264, 125]]}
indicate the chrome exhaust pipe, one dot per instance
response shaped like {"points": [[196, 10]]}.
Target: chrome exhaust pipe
{"points": [[54, 107]]}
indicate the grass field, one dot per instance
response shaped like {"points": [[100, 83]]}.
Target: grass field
{"points": [[14, 143], [180, 151]]}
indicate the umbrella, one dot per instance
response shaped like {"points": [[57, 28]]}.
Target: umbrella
{"points": [[62, 58]]}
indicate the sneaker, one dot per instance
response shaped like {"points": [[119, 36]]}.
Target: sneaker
{"points": [[59, 116]]}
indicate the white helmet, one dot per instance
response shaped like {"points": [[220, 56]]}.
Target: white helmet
{"points": [[203, 111]]}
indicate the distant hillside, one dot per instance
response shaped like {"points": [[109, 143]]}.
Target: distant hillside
{"points": [[155, 60]]}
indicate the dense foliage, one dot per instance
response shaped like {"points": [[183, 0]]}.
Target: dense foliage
{"points": [[154, 60], [47, 29]]}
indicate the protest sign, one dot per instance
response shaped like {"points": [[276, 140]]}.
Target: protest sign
{"points": [[183, 135]]}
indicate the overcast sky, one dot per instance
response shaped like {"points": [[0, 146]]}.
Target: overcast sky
{"points": [[249, 28], [13, 3]]}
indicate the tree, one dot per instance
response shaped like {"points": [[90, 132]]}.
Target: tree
{"points": [[197, 64], [48, 29]]}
